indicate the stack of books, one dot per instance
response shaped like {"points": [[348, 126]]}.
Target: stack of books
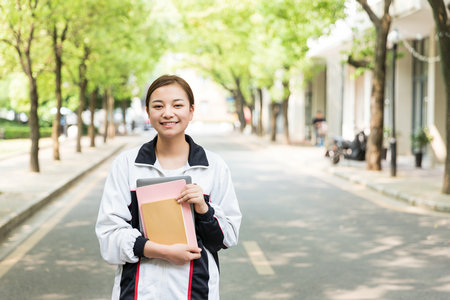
{"points": [[163, 219]]}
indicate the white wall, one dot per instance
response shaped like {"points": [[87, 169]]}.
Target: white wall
{"points": [[348, 124], [334, 89], [403, 98], [296, 113]]}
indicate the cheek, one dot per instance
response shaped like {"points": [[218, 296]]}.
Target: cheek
{"points": [[152, 115]]}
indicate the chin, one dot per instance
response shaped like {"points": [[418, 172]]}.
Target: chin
{"points": [[170, 133]]}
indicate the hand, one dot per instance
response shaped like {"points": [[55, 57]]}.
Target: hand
{"points": [[193, 193], [181, 254], [178, 254]]}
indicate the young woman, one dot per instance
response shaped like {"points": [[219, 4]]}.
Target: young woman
{"points": [[147, 270]]}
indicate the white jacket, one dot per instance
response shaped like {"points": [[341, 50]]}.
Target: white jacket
{"points": [[120, 233]]}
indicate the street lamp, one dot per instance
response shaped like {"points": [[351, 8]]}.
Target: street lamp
{"points": [[393, 38]]}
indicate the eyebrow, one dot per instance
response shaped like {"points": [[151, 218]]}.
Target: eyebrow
{"points": [[158, 100]]}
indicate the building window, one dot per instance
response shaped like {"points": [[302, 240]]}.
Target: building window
{"points": [[419, 85]]}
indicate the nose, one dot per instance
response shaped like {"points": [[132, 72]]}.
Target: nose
{"points": [[168, 112]]}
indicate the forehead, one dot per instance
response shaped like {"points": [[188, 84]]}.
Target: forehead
{"points": [[169, 92]]}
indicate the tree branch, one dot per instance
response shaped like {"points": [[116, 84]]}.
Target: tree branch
{"points": [[43, 69], [373, 17], [29, 40], [440, 15], [64, 33], [387, 5], [358, 63], [8, 42]]}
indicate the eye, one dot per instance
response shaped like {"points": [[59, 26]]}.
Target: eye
{"points": [[179, 105], [157, 106]]}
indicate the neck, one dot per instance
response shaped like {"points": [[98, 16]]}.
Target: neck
{"points": [[175, 146]]}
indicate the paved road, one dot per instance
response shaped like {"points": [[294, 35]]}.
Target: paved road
{"points": [[304, 236]]}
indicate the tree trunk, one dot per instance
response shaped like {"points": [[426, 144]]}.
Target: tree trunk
{"points": [[57, 52], [441, 19], [33, 123], [56, 130], [375, 140], [239, 103], [251, 106], [260, 128], [239, 109], [33, 120], [286, 94], [91, 129], [82, 85], [275, 107], [124, 106], [105, 109], [111, 125], [253, 125]]}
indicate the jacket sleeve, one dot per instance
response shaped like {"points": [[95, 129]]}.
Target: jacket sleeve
{"points": [[114, 231], [219, 227]]}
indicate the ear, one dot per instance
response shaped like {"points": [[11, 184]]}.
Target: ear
{"points": [[191, 110]]}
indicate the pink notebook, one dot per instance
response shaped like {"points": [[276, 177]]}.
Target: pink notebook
{"points": [[163, 220]]}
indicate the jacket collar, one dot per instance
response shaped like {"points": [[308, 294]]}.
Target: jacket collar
{"points": [[197, 155]]}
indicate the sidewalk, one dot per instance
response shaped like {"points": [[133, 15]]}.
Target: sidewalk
{"points": [[416, 186], [22, 192]]}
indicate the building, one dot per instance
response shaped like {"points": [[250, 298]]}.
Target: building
{"points": [[344, 96]]}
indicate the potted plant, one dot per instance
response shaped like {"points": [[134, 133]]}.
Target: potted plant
{"points": [[419, 141]]}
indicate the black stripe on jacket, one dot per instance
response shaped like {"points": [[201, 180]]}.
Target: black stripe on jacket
{"points": [[129, 270]]}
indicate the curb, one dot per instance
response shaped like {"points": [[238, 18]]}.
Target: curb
{"points": [[19, 217], [409, 199]]}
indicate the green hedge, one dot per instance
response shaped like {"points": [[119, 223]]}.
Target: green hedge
{"points": [[23, 132]]}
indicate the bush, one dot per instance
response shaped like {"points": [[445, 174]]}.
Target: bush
{"points": [[16, 130]]}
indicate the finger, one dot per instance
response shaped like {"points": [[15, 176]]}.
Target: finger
{"points": [[196, 256], [188, 197], [194, 249]]}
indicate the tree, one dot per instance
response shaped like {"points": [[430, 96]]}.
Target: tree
{"points": [[57, 27], [266, 49], [442, 20], [131, 50], [217, 40], [293, 22], [382, 26], [20, 21]]}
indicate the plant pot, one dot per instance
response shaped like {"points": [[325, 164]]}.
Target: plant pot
{"points": [[418, 156]]}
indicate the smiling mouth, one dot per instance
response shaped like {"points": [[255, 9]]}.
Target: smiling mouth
{"points": [[168, 123]]}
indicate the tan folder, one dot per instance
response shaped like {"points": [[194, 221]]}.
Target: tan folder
{"points": [[163, 220]]}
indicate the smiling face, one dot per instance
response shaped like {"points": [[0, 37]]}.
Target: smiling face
{"points": [[169, 110]]}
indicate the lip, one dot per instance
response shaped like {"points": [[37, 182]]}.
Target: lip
{"points": [[168, 124]]}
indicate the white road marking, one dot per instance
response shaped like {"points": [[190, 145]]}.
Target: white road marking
{"points": [[257, 258], [28, 244]]}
